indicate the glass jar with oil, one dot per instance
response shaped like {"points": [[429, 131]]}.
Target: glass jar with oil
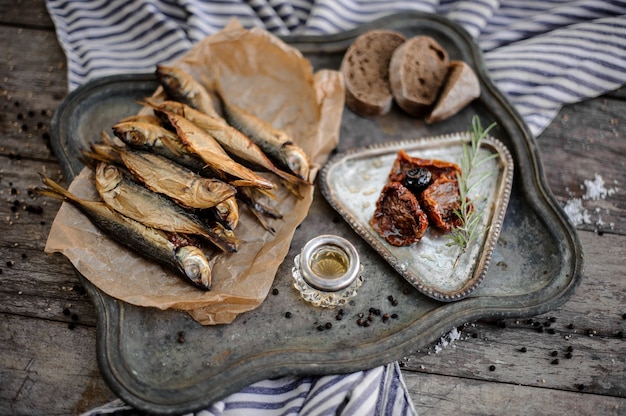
{"points": [[327, 271]]}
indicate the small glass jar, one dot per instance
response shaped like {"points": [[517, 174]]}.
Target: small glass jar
{"points": [[327, 272]]}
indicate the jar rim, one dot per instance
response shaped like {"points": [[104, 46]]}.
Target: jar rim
{"points": [[322, 283]]}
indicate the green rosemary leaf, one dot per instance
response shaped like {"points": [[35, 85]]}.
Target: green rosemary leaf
{"points": [[470, 219]]}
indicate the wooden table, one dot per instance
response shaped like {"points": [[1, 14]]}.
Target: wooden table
{"points": [[571, 358]]}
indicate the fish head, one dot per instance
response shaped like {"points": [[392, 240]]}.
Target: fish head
{"points": [[168, 76], [108, 177], [174, 81], [298, 162], [228, 212], [226, 237], [194, 266], [130, 133]]}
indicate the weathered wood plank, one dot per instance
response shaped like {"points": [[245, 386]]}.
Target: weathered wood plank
{"points": [[591, 323], [25, 13], [587, 142], [46, 368], [32, 85], [440, 395]]}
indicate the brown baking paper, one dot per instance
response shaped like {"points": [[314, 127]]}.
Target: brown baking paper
{"points": [[262, 74]]}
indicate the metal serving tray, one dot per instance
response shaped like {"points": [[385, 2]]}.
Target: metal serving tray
{"points": [[535, 266]]}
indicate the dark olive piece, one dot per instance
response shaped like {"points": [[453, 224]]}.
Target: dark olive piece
{"points": [[417, 179]]}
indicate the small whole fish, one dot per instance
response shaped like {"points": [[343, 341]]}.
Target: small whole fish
{"points": [[210, 151], [159, 140], [275, 143], [171, 250], [181, 86], [164, 176], [232, 140], [154, 210]]}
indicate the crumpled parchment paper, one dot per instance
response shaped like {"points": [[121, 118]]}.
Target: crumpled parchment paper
{"points": [[267, 77]]}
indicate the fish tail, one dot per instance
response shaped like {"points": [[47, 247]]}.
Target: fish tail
{"points": [[101, 153], [54, 190], [268, 193], [293, 188]]}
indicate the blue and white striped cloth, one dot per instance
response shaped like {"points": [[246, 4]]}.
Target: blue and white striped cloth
{"points": [[376, 392], [541, 54]]}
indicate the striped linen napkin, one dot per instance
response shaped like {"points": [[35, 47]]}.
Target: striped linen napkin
{"points": [[541, 54]]}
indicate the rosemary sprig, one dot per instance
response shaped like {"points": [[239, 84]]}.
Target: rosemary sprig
{"points": [[470, 217]]}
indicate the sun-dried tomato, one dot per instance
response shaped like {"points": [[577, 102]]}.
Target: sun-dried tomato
{"points": [[441, 201], [399, 218], [437, 168]]}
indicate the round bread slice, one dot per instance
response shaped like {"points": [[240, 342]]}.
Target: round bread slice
{"points": [[365, 69], [460, 88], [417, 71]]}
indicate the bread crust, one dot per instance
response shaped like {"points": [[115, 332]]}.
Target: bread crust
{"points": [[365, 68], [461, 88], [417, 70]]}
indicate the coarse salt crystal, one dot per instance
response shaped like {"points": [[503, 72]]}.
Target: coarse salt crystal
{"points": [[596, 189]]}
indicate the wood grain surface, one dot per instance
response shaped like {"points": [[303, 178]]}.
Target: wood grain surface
{"points": [[571, 358]]}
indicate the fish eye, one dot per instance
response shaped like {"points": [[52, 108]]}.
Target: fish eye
{"points": [[134, 137], [193, 270], [110, 171]]}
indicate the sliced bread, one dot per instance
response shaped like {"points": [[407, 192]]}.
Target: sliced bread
{"points": [[460, 88], [365, 68], [417, 70]]}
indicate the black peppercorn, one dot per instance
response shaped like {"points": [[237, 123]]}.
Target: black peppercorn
{"points": [[523, 349], [274, 291], [287, 315], [554, 353], [328, 325], [555, 361], [492, 368], [568, 355], [66, 312]]}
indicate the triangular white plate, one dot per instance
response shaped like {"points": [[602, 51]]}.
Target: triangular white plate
{"points": [[352, 181]]}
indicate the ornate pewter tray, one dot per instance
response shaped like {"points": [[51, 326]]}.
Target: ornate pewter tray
{"points": [[535, 264]]}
